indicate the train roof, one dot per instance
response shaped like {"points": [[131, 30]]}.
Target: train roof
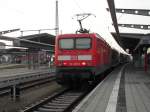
{"points": [[74, 34], [120, 50], [81, 34]]}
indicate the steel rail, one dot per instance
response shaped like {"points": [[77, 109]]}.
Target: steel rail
{"points": [[59, 102]]}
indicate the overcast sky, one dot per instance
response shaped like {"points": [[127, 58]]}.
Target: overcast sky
{"points": [[40, 14]]}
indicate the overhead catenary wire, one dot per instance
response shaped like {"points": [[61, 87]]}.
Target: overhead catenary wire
{"points": [[77, 4]]}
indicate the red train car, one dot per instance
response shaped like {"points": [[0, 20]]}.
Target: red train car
{"points": [[80, 57]]}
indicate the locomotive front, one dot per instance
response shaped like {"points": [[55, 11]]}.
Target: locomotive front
{"points": [[74, 58]]}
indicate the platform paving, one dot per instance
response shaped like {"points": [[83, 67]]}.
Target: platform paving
{"points": [[19, 71], [124, 90], [4, 66]]}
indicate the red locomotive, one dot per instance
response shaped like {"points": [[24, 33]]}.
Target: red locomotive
{"points": [[81, 57]]}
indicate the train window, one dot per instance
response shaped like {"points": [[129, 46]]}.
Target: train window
{"points": [[66, 43], [83, 43]]}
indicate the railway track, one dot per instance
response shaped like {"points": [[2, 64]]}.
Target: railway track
{"points": [[63, 101]]}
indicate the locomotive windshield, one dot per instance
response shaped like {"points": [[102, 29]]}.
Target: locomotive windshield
{"points": [[66, 43], [76, 43], [83, 43]]}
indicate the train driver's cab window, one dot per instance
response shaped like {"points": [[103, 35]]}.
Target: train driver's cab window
{"points": [[66, 43], [83, 43]]}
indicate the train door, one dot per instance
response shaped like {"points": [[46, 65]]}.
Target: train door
{"points": [[102, 54], [99, 60], [107, 55], [101, 49]]}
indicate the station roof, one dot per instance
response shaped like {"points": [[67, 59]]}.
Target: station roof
{"points": [[33, 42], [43, 38], [37, 41], [134, 41]]}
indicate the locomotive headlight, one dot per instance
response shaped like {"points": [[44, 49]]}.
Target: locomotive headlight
{"points": [[64, 63], [83, 63]]}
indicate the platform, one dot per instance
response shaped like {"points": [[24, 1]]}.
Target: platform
{"points": [[124, 90], [18, 71], [11, 66]]}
